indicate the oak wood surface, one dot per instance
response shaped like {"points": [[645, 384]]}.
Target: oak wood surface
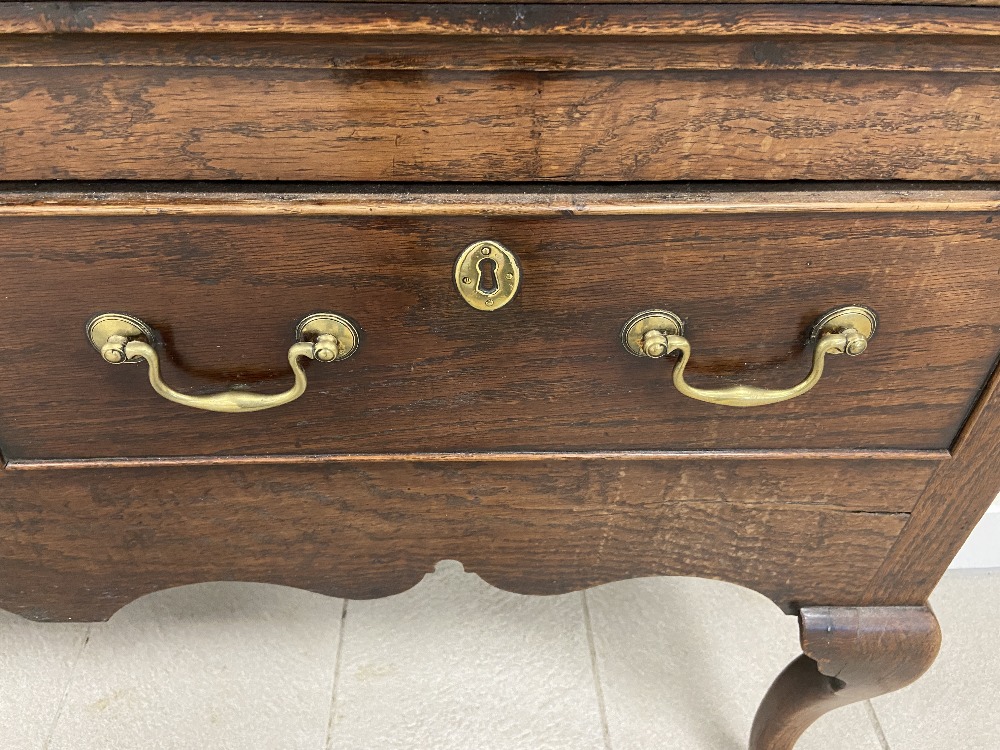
{"points": [[369, 91], [850, 654], [546, 373], [536, 53], [429, 125], [845, 482], [958, 495], [921, 456], [504, 18], [79, 545], [525, 443], [496, 200]]}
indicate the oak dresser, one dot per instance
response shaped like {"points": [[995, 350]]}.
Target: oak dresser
{"points": [[320, 293]]}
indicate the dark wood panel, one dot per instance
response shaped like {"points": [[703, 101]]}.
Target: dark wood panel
{"points": [[545, 373], [525, 19], [425, 125], [510, 52], [79, 545], [848, 481]]}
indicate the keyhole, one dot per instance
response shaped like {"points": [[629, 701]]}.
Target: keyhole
{"points": [[487, 276]]}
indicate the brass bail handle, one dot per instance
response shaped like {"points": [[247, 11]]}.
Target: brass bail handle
{"points": [[124, 339], [657, 333]]}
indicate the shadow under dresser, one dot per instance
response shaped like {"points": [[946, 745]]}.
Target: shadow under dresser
{"points": [[322, 293]]}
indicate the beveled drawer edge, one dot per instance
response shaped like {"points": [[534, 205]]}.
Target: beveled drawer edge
{"points": [[512, 456], [530, 201], [957, 496]]}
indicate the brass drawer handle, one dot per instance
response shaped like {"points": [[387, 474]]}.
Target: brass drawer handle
{"points": [[656, 333], [123, 339]]}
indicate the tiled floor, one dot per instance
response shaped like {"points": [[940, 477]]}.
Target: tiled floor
{"points": [[455, 664]]}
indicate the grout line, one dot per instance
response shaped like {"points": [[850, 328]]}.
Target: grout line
{"points": [[598, 688], [69, 684], [336, 677], [877, 726]]}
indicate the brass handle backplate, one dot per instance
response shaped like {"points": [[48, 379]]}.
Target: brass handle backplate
{"points": [[657, 333], [124, 339]]}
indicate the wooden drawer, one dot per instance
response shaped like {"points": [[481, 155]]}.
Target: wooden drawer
{"points": [[223, 278], [380, 91]]}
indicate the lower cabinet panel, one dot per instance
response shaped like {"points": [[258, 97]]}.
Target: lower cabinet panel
{"points": [[79, 544]]}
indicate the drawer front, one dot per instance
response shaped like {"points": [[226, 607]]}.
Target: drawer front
{"points": [[559, 93], [222, 280]]}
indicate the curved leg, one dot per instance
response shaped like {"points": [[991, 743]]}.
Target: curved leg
{"points": [[850, 654]]}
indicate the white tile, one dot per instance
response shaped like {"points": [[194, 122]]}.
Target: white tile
{"points": [[215, 666], [684, 663], [457, 664], [36, 661], [957, 703]]}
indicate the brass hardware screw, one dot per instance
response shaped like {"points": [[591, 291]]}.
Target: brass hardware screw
{"points": [[466, 280], [508, 276], [486, 251]]}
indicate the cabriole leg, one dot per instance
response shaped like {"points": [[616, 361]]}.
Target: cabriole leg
{"points": [[849, 654]]}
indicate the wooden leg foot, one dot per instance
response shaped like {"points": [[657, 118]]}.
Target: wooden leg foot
{"points": [[849, 654]]}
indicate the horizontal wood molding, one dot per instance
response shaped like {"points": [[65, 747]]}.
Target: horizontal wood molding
{"points": [[538, 53], [718, 20], [747, 455], [126, 200]]}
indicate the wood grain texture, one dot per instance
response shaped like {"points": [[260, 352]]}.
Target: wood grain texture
{"points": [[475, 19], [511, 52], [546, 373], [552, 460], [451, 92], [498, 200], [436, 125], [850, 654], [79, 545], [920, 456], [958, 495]]}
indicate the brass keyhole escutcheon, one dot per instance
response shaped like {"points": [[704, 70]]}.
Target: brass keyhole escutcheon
{"points": [[487, 275]]}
